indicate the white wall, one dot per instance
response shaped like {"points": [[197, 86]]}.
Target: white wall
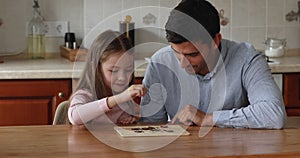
{"points": [[249, 20], [15, 14]]}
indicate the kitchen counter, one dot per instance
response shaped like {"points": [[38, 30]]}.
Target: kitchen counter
{"points": [[54, 67], [289, 63]]}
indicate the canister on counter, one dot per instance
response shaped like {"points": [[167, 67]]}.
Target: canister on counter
{"points": [[127, 27], [275, 47]]}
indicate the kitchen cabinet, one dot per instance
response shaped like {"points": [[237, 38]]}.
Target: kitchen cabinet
{"points": [[291, 93], [31, 101]]}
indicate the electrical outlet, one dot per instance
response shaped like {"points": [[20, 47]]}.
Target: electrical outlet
{"points": [[56, 28]]}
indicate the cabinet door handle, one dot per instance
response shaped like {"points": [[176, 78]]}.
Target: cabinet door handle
{"points": [[61, 94]]}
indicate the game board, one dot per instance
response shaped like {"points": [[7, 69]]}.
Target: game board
{"points": [[156, 130]]}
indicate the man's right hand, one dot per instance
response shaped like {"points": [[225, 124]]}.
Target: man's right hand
{"points": [[190, 114]]}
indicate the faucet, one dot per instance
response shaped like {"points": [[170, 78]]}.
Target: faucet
{"points": [[292, 15]]}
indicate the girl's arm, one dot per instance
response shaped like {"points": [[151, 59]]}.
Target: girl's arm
{"points": [[89, 109], [82, 101]]}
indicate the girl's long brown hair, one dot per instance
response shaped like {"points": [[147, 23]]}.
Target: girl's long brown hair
{"points": [[107, 43]]}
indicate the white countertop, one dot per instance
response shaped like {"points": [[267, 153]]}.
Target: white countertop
{"points": [[56, 67], [286, 64]]}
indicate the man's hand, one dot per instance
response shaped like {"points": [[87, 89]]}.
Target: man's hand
{"points": [[126, 119], [190, 114]]}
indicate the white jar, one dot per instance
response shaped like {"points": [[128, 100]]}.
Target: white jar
{"points": [[275, 47]]}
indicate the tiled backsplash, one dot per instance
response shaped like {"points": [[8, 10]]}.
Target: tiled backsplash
{"points": [[15, 14], [249, 20]]}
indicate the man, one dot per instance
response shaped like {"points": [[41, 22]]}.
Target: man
{"points": [[205, 80]]}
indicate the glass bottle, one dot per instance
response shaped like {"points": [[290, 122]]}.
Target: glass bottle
{"points": [[36, 34]]}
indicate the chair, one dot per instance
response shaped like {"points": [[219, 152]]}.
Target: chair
{"points": [[61, 114]]}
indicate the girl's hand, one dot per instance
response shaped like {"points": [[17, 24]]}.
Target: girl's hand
{"points": [[136, 90]]}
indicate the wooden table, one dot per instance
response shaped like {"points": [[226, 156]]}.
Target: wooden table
{"points": [[72, 141]]}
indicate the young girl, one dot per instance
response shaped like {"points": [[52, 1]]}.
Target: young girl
{"points": [[102, 94]]}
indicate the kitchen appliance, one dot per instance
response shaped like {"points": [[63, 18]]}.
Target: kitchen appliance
{"points": [[70, 40]]}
